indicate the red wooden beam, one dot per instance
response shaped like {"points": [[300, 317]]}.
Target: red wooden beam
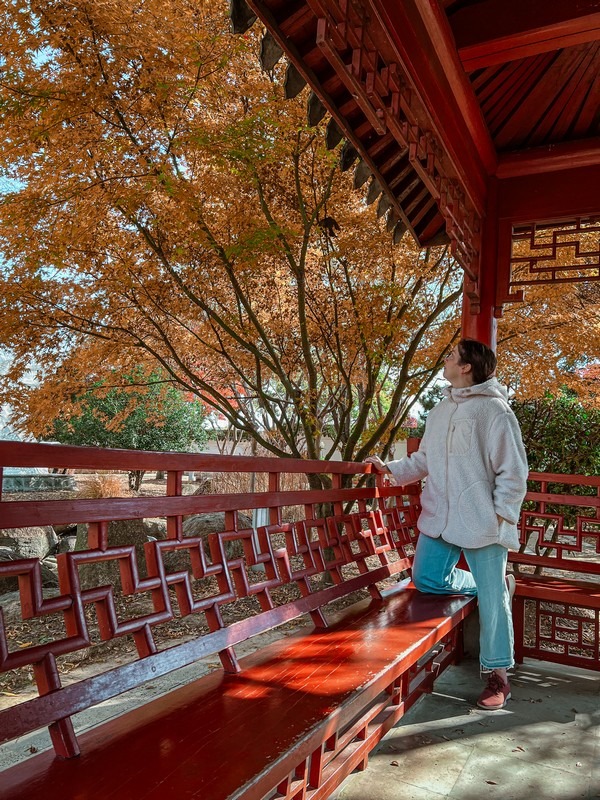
{"points": [[491, 48], [26, 454], [421, 37], [497, 31], [549, 196], [549, 158], [480, 322]]}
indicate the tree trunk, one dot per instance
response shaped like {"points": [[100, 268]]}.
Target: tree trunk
{"points": [[135, 479]]}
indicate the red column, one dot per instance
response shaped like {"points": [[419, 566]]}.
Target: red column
{"points": [[482, 325]]}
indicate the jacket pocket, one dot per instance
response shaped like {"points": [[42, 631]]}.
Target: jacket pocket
{"points": [[461, 437], [508, 535], [476, 510], [429, 508]]}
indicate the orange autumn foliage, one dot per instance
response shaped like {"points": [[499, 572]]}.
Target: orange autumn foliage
{"points": [[164, 204]]}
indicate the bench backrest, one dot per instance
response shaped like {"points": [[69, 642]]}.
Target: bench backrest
{"points": [[350, 535], [559, 528], [556, 610]]}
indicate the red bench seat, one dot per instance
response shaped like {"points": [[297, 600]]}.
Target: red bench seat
{"points": [[304, 710]]}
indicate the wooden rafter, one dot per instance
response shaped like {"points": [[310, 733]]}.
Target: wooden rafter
{"points": [[497, 31], [550, 98], [548, 158]]}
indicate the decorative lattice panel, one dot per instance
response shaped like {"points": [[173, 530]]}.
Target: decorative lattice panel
{"points": [[560, 522], [382, 91], [559, 252], [557, 607], [232, 565], [563, 632]]}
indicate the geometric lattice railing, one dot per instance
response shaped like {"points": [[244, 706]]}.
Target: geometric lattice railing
{"points": [[314, 546], [560, 522], [561, 251], [557, 608]]}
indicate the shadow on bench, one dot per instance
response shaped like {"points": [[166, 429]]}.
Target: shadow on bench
{"points": [[291, 720], [300, 716]]}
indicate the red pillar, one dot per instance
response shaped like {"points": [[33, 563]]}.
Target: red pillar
{"points": [[482, 325]]}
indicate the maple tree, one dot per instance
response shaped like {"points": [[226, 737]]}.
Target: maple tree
{"points": [[550, 343], [166, 206]]}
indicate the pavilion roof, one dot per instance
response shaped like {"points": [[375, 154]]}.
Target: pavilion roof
{"points": [[436, 98], [534, 68]]}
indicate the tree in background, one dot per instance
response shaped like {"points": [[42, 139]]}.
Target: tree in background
{"points": [[141, 412], [428, 401], [560, 434], [169, 207], [551, 342], [172, 207]]}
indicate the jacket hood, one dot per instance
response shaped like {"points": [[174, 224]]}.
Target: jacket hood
{"points": [[490, 388]]}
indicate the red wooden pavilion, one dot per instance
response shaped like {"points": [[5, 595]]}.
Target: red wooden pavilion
{"points": [[476, 122]]}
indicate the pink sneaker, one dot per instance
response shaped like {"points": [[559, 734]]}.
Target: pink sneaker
{"points": [[496, 694]]}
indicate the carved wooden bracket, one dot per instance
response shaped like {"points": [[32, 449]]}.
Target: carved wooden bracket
{"points": [[382, 92]]}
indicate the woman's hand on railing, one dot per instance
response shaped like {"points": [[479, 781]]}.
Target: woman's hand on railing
{"points": [[379, 466]]}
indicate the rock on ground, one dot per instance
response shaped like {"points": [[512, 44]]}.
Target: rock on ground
{"points": [[29, 542]]}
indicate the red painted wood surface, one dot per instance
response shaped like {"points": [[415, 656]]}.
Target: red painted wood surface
{"points": [[560, 590], [423, 42], [559, 531], [548, 158], [216, 737], [377, 104], [556, 608], [74, 698], [480, 323], [496, 31], [26, 512], [357, 545], [25, 454]]}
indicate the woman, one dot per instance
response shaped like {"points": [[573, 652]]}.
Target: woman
{"points": [[476, 468]]}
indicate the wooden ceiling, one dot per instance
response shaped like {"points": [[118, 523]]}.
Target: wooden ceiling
{"points": [[436, 98], [534, 68], [543, 99]]}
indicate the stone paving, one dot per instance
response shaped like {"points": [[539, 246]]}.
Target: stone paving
{"points": [[545, 745]]}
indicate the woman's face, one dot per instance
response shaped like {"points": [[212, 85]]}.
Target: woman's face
{"points": [[458, 374]]}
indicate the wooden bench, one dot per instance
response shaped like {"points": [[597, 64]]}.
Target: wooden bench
{"points": [[290, 721], [556, 608]]}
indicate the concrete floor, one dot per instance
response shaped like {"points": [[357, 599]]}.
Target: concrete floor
{"points": [[545, 745]]}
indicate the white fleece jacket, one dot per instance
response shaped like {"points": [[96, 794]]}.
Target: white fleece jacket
{"points": [[473, 458]]}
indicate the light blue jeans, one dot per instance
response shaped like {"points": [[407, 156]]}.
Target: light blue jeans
{"points": [[434, 572]]}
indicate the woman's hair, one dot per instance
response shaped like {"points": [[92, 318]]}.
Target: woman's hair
{"points": [[480, 357]]}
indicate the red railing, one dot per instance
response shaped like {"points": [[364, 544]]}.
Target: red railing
{"points": [[349, 535], [560, 528], [556, 611]]}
